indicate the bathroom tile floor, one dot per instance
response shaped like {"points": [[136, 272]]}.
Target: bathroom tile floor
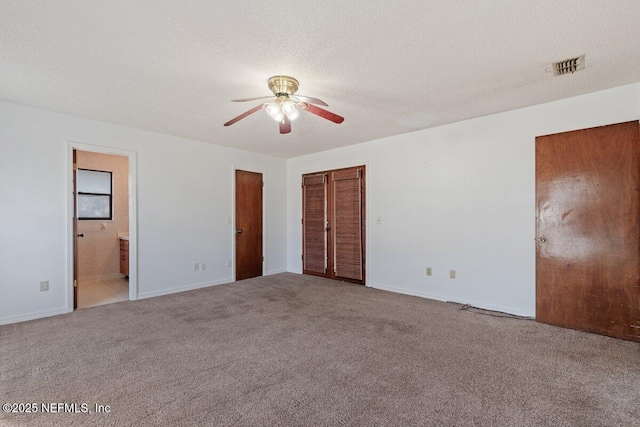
{"points": [[100, 292]]}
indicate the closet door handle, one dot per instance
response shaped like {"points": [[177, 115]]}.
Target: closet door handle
{"points": [[238, 230]]}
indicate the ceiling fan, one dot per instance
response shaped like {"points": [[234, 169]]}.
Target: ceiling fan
{"points": [[285, 107]]}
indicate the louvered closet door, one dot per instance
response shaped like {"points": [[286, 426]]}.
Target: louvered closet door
{"points": [[347, 223], [314, 234]]}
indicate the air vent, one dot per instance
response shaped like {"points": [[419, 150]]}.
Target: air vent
{"points": [[568, 66]]}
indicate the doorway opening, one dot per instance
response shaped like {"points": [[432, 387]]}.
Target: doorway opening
{"points": [[102, 228]]}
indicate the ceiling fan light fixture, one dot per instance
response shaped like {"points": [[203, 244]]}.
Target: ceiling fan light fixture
{"points": [[273, 109], [293, 114], [278, 117], [289, 108]]}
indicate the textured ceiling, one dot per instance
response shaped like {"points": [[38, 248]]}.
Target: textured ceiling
{"points": [[388, 67]]}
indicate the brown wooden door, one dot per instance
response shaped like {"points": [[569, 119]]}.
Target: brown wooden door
{"points": [[248, 224], [588, 230], [315, 224], [347, 230], [333, 224]]}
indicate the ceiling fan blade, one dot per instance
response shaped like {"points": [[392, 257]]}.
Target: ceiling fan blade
{"points": [[252, 99], [321, 112], [285, 125], [311, 100], [245, 114]]}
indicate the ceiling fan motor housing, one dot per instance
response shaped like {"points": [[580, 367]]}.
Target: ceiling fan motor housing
{"points": [[283, 85]]}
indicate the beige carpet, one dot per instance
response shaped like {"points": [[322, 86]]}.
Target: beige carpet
{"points": [[290, 350]]}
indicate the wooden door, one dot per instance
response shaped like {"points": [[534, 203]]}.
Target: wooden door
{"points": [[333, 224], [249, 256], [315, 225], [347, 224], [588, 230]]}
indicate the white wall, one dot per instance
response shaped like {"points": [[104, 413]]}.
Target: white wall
{"points": [[460, 196], [184, 199]]}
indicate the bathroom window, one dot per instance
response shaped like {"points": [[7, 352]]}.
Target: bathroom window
{"points": [[94, 194]]}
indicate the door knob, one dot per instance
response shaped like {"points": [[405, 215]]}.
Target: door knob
{"points": [[543, 239], [81, 235], [238, 230]]}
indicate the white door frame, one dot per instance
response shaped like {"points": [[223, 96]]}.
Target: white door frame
{"points": [[233, 218], [133, 215]]}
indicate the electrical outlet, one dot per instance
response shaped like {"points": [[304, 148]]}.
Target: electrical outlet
{"points": [[196, 266], [44, 286], [228, 263], [203, 266], [429, 271], [452, 274]]}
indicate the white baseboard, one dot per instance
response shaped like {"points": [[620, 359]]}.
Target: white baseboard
{"points": [[451, 299], [169, 291], [32, 316], [101, 277], [269, 273]]}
